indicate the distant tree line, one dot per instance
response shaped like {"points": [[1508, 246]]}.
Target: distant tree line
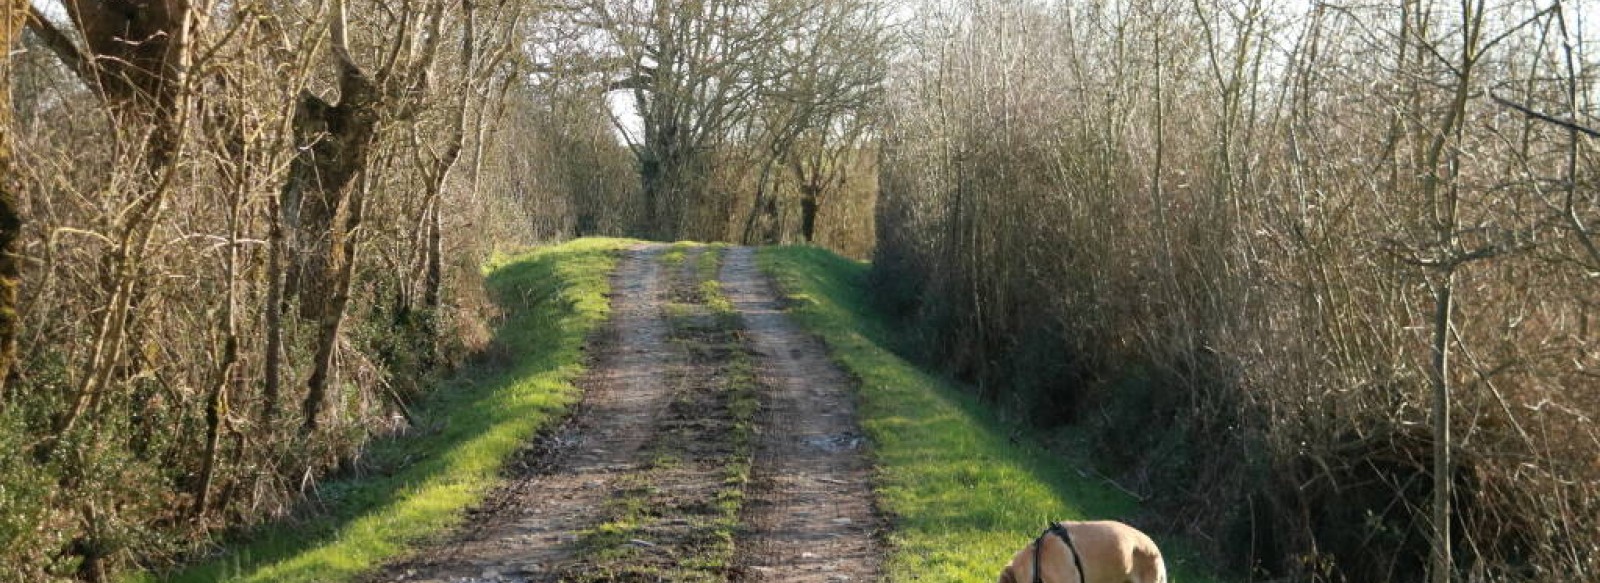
{"points": [[745, 120]]}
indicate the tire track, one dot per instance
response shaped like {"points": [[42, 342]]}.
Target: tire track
{"points": [[809, 514], [527, 530], [677, 521]]}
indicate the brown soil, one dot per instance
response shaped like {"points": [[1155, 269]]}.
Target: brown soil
{"points": [[809, 511]]}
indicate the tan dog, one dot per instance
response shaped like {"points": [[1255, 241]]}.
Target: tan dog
{"points": [[1111, 552]]}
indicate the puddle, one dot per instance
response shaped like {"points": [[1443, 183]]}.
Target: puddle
{"points": [[834, 443]]}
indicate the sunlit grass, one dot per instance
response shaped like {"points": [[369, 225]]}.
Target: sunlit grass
{"points": [[553, 297], [962, 495]]}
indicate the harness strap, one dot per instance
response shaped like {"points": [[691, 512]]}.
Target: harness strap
{"points": [[1038, 547], [1057, 529]]}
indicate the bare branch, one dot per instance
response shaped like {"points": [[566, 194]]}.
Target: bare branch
{"points": [[63, 46], [1530, 112]]}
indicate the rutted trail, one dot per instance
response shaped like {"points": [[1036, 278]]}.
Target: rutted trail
{"points": [[809, 514], [715, 441], [676, 517], [528, 530]]}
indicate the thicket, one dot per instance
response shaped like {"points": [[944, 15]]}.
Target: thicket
{"points": [[1266, 252], [241, 238]]}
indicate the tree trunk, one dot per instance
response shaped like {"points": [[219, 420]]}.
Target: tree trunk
{"points": [[1443, 195], [216, 411], [136, 58], [433, 276], [762, 201], [328, 327], [330, 290], [809, 203], [650, 187], [10, 272], [1440, 373], [10, 218], [774, 222], [217, 401], [309, 211], [433, 269], [334, 141], [272, 361]]}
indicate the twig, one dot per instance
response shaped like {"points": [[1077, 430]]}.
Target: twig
{"points": [[1086, 473], [1525, 110]]}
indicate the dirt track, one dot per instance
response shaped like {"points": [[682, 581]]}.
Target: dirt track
{"points": [[807, 514], [810, 514]]}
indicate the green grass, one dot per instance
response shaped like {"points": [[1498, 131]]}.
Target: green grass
{"points": [[673, 256], [741, 385], [961, 494], [553, 297]]}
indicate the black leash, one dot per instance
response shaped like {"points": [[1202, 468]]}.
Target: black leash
{"points": [[1038, 546]]}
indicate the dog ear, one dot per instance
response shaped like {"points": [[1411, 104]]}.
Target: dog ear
{"points": [[1006, 576]]}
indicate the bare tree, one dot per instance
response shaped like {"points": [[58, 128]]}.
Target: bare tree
{"points": [[322, 185], [823, 97], [136, 59], [164, 167], [148, 79], [821, 165], [698, 73]]}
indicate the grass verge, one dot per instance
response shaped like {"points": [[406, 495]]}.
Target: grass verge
{"points": [[554, 297], [961, 492]]}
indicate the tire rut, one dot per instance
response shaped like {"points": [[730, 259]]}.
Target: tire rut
{"points": [[677, 520], [809, 515], [526, 531]]}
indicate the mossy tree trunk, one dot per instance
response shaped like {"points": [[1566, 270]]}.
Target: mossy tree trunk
{"points": [[334, 143], [134, 56], [10, 213], [334, 140]]}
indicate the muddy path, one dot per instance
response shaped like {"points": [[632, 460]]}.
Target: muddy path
{"points": [[715, 442], [809, 515]]}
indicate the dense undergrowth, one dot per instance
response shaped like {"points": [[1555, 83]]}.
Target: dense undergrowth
{"points": [[963, 488], [415, 485], [221, 276], [1298, 271]]}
